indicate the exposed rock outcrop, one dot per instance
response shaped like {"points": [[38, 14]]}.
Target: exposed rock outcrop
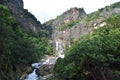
{"points": [[72, 14], [83, 23], [27, 21], [45, 69], [18, 3]]}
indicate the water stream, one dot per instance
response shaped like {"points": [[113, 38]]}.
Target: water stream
{"points": [[32, 76], [59, 49], [50, 60]]}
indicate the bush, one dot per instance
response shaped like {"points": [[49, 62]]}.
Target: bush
{"points": [[17, 48], [93, 56]]}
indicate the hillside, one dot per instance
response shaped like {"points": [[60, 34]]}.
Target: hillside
{"points": [[94, 56], [75, 23], [23, 40], [94, 43], [74, 46], [27, 20]]}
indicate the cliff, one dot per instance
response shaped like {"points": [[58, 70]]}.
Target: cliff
{"points": [[71, 14], [75, 23], [22, 40], [24, 17]]}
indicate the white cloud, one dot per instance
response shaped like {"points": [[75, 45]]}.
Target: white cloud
{"points": [[45, 10]]}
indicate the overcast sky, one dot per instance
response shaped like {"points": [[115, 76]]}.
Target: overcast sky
{"points": [[45, 10]]}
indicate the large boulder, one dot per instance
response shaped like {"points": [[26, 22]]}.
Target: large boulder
{"points": [[45, 69], [27, 71], [46, 77]]}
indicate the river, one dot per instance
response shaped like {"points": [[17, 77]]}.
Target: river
{"points": [[49, 60]]}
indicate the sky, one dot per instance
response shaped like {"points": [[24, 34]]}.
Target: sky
{"points": [[45, 10]]}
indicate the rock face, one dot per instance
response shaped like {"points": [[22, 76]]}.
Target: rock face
{"points": [[66, 17], [70, 35], [45, 69], [83, 23], [27, 21], [72, 14], [18, 3]]}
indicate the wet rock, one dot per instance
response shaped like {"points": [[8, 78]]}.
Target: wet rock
{"points": [[23, 76], [45, 69], [47, 77], [29, 70], [36, 65]]}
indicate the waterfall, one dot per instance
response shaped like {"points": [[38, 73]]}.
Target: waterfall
{"points": [[59, 49], [49, 61], [32, 76]]}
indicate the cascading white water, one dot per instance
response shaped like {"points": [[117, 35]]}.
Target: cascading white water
{"points": [[59, 51], [32, 76]]}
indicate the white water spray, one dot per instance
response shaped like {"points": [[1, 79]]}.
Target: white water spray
{"points": [[49, 60]]}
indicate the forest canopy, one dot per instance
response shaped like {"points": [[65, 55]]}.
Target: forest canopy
{"points": [[18, 48], [95, 56]]}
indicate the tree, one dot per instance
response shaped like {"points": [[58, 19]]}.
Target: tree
{"points": [[93, 56], [17, 47]]}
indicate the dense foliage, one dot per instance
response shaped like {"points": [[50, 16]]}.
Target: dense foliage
{"points": [[96, 14], [115, 5], [92, 16], [93, 57], [68, 25], [17, 48]]}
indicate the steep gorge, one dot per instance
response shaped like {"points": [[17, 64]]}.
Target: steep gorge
{"points": [[27, 20], [23, 40], [66, 28], [75, 23]]}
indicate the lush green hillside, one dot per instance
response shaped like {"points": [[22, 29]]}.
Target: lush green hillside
{"points": [[93, 57], [17, 48], [24, 40]]}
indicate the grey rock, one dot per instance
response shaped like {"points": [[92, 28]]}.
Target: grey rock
{"points": [[27, 21], [72, 14], [45, 69]]}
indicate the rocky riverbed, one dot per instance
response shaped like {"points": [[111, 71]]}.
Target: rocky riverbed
{"points": [[43, 70]]}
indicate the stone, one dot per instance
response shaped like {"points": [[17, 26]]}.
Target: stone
{"points": [[23, 76], [29, 70], [46, 77], [45, 69]]}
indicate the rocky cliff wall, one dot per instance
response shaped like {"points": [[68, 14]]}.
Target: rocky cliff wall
{"points": [[86, 23], [71, 14], [27, 21]]}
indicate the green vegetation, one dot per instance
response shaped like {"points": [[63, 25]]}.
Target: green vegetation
{"points": [[17, 48], [115, 5], [68, 25], [93, 16], [29, 15], [93, 57], [96, 14]]}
